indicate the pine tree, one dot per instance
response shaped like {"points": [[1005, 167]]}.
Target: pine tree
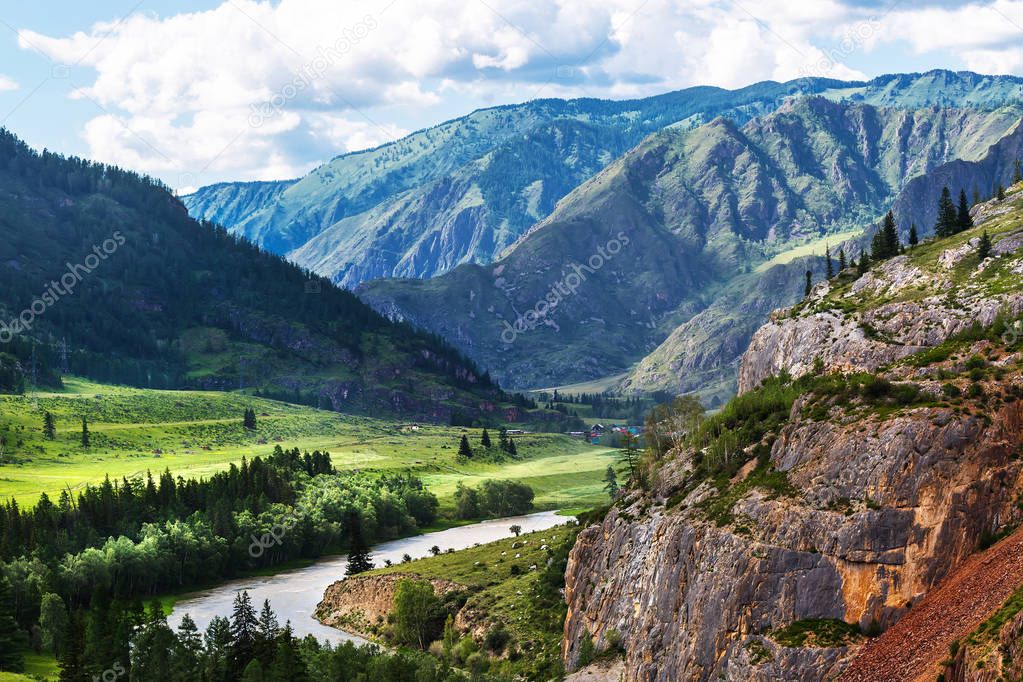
{"points": [[809, 283], [244, 630], [914, 239], [885, 243], [827, 260], [72, 659], [863, 264], [359, 559], [948, 219], [464, 449], [611, 479], [984, 247], [841, 259], [12, 638], [49, 427], [965, 222], [1017, 173], [269, 630], [85, 433], [1000, 192], [891, 236], [188, 652], [512, 450], [485, 439], [287, 661], [249, 419], [502, 438]]}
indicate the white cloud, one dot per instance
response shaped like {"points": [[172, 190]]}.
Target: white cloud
{"points": [[255, 89], [982, 35], [7, 84]]}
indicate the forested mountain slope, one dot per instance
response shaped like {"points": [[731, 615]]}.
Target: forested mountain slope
{"points": [[463, 190], [110, 263], [698, 209]]}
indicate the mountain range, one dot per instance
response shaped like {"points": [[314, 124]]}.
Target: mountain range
{"points": [[472, 223]]}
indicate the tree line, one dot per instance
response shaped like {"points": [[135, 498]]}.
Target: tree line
{"points": [[122, 541]]}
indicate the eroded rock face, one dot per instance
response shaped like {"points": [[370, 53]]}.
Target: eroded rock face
{"points": [[863, 506], [997, 659], [885, 510], [871, 336], [360, 603]]}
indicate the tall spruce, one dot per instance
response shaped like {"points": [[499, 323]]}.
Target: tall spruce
{"points": [[829, 265], [947, 223], [12, 639], [863, 264], [809, 283], [485, 439], [1000, 192], [464, 449], [49, 426], [359, 559], [85, 433], [885, 243], [244, 632], [914, 238], [1017, 173], [841, 259], [964, 219], [984, 247]]}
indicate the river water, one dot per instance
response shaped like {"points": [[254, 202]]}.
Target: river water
{"points": [[295, 594]]}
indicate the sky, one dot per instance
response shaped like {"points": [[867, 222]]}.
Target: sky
{"points": [[202, 91]]}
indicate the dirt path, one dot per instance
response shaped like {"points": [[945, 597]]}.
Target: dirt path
{"points": [[911, 650]]}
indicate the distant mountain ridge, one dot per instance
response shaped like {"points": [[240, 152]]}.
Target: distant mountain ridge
{"points": [[701, 207], [463, 191]]}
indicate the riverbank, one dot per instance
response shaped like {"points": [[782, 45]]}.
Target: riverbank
{"points": [[294, 594]]}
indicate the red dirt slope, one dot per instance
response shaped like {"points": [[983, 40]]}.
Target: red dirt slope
{"points": [[911, 650]]}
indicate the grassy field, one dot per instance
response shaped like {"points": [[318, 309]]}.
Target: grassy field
{"points": [[815, 247], [498, 575], [195, 433], [37, 666], [594, 386]]}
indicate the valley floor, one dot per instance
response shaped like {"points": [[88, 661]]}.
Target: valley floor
{"points": [[196, 433]]}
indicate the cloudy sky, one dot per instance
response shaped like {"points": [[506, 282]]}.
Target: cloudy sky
{"points": [[200, 91]]}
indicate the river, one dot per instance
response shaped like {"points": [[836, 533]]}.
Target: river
{"points": [[294, 594]]}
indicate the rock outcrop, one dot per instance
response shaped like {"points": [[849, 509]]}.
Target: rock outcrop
{"points": [[869, 493], [361, 603]]}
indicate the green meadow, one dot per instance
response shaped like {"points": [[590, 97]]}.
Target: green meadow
{"points": [[195, 433]]}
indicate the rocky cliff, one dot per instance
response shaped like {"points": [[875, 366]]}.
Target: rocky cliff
{"points": [[815, 509], [361, 604]]}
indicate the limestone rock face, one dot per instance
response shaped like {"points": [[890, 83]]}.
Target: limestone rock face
{"points": [[877, 502], [885, 510], [359, 603], [883, 322]]}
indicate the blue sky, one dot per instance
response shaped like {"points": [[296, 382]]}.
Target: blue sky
{"points": [[200, 91]]}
